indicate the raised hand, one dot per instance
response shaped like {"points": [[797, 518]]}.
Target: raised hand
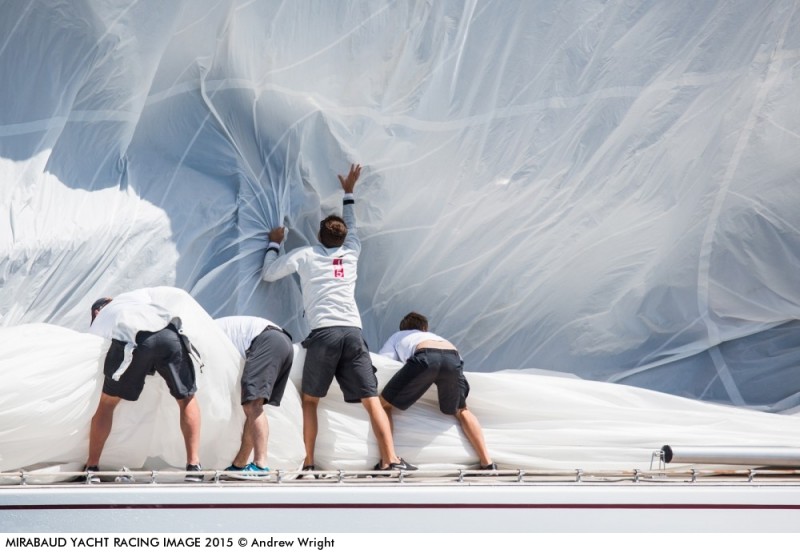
{"points": [[349, 182]]}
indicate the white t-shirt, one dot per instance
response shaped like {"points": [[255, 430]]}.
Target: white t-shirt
{"points": [[127, 314], [124, 316], [402, 345], [327, 276], [243, 329]]}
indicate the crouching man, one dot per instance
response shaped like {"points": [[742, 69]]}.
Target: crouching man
{"points": [[430, 359], [145, 340], [268, 353]]}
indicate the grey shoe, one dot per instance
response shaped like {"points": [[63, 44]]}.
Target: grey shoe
{"points": [[90, 477], [193, 477], [401, 465], [307, 468]]}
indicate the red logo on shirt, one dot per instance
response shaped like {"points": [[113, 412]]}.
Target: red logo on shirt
{"points": [[338, 268]]}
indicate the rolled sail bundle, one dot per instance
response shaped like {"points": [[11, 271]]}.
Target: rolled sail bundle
{"points": [[52, 378]]}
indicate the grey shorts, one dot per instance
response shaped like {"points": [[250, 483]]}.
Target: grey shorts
{"points": [[429, 366], [267, 365], [338, 351], [161, 352]]}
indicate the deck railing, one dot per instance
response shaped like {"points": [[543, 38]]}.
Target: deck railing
{"points": [[458, 477]]}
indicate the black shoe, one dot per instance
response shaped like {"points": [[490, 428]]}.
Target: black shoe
{"points": [[194, 477], [490, 466], [89, 477], [401, 465], [307, 468]]}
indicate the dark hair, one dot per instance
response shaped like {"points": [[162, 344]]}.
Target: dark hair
{"points": [[414, 321], [332, 231], [98, 305]]}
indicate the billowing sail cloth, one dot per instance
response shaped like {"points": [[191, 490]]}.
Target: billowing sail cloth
{"points": [[608, 189], [52, 381], [53, 376]]}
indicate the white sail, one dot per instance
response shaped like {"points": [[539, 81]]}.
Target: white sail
{"points": [[601, 188]]}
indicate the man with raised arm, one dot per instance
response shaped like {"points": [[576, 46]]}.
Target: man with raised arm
{"points": [[430, 359], [268, 354], [335, 347]]}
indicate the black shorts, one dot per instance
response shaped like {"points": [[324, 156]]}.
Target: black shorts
{"points": [[267, 365], [338, 351], [427, 366], [163, 352]]}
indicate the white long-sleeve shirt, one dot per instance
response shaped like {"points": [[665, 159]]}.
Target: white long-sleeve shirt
{"points": [[327, 275], [402, 345]]}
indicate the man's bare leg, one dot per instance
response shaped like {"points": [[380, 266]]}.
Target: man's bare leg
{"points": [[388, 408], [310, 404], [101, 427], [474, 433], [256, 433], [190, 427], [246, 449], [382, 429]]}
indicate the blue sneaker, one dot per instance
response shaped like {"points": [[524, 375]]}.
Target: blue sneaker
{"points": [[254, 470], [248, 472]]}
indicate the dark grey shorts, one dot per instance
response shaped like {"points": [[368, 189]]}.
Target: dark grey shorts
{"points": [[162, 352], [426, 367], [338, 351], [267, 365]]}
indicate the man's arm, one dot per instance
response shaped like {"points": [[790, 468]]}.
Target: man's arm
{"points": [[348, 208], [275, 267]]}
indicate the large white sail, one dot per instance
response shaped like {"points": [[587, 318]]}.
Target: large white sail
{"points": [[608, 189]]}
